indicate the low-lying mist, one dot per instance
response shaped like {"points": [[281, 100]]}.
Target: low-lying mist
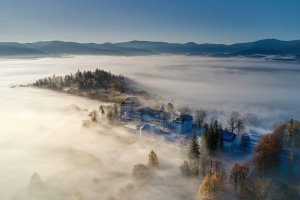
{"points": [[265, 88], [47, 154]]}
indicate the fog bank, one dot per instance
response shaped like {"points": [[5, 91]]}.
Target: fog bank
{"points": [[267, 89], [46, 154]]}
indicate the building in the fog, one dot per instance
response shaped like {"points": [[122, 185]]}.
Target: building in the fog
{"points": [[128, 107], [150, 115], [183, 124]]}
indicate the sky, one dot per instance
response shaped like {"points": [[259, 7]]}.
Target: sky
{"points": [[201, 21]]}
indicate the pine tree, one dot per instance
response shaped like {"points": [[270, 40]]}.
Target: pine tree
{"points": [[194, 152]]}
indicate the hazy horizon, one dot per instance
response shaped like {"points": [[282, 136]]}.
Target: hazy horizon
{"points": [[176, 42], [223, 84]]}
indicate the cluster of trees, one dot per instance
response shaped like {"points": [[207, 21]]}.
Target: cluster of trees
{"points": [[200, 117], [200, 165], [86, 80], [210, 169], [254, 186], [268, 151], [266, 157], [110, 112], [266, 188], [235, 123], [246, 187], [213, 136], [190, 167], [239, 175]]}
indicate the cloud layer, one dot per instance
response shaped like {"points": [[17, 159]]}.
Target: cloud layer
{"points": [[40, 133]]}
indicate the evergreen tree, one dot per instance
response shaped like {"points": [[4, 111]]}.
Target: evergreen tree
{"points": [[194, 152], [213, 137], [153, 159]]}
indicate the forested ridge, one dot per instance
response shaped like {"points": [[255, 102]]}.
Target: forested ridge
{"points": [[98, 84], [86, 80]]}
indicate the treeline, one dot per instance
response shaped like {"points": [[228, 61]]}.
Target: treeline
{"points": [[86, 81]]}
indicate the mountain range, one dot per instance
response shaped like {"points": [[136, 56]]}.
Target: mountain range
{"points": [[269, 48]]}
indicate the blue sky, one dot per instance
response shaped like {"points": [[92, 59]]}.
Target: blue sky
{"points": [[213, 21]]}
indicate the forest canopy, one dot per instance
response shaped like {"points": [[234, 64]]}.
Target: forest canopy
{"points": [[86, 80], [98, 84]]}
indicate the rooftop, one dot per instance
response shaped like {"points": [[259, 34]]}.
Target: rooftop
{"points": [[149, 111], [131, 100], [185, 117], [228, 136]]}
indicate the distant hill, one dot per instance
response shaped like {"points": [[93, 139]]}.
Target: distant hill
{"points": [[263, 48]]}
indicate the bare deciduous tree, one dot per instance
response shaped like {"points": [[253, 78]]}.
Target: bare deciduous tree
{"points": [[200, 117]]}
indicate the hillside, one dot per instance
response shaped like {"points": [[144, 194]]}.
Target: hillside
{"points": [[98, 84]]}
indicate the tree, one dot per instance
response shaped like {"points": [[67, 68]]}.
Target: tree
{"points": [[245, 141], [204, 166], [239, 174], [213, 137], [200, 117], [218, 167], [170, 107], [210, 185], [190, 168], [194, 152], [240, 126], [101, 109], [292, 136], [235, 123], [153, 159], [185, 168], [112, 112], [93, 115], [267, 152]]}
